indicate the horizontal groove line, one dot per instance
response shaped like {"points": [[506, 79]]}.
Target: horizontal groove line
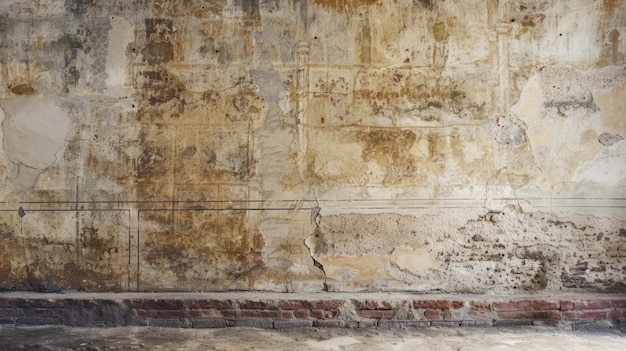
{"points": [[329, 200]]}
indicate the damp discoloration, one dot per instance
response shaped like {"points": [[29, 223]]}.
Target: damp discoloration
{"points": [[307, 145], [345, 5]]}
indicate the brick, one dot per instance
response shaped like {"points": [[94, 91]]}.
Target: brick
{"points": [[301, 314], [533, 315], [566, 305], [480, 306], [431, 304], [165, 323], [447, 315], [135, 303], [524, 305], [150, 304], [169, 314], [592, 304], [377, 314], [328, 304], [290, 324], [208, 323], [7, 320], [208, 313], [402, 324], [257, 305], [480, 309], [372, 323], [511, 322], [569, 315], [618, 303], [432, 314], [11, 312], [263, 323], [588, 314], [447, 324], [379, 305], [52, 320], [329, 323], [287, 314], [545, 322], [457, 304], [352, 324], [209, 304], [296, 305], [30, 320], [260, 313], [229, 313], [321, 314], [476, 323]]}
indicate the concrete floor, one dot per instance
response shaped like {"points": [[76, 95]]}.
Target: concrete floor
{"points": [[457, 339]]}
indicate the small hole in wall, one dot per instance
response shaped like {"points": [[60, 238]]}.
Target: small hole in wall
{"points": [[560, 34], [502, 255], [513, 20], [315, 37], [217, 51], [133, 105]]}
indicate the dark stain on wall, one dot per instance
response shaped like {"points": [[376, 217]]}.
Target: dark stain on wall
{"points": [[344, 5], [391, 150], [159, 48]]}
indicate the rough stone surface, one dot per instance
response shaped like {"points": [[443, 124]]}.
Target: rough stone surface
{"points": [[298, 146]]}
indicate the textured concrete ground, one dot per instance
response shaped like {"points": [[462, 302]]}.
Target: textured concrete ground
{"points": [[441, 339]]}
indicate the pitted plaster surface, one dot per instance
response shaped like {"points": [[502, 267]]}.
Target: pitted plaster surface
{"points": [[447, 146]]}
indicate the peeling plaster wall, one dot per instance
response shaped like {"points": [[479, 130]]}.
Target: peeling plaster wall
{"points": [[409, 145]]}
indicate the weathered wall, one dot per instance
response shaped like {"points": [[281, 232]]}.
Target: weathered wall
{"points": [[432, 145]]}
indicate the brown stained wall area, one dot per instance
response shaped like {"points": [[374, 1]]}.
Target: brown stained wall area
{"points": [[344, 145]]}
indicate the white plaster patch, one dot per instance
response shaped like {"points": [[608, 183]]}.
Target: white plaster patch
{"points": [[120, 36], [35, 129], [414, 261]]}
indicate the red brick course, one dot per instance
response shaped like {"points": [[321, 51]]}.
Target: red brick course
{"points": [[276, 313]]}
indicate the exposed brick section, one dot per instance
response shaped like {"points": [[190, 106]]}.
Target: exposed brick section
{"points": [[619, 303], [301, 314], [479, 309], [376, 314], [329, 323], [432, 314], [431, 304], [592, 304], [258, 305], [290, 324], [210, 304], [524, 305], [163, 304], [283, 314], [296, 305], [208, 323], [528, 315], [457, 304], [327, 304], [566, 306]]}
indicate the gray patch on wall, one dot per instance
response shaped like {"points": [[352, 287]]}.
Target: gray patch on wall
{"points": [[608, 139], [509, 130], [34, 129]]}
